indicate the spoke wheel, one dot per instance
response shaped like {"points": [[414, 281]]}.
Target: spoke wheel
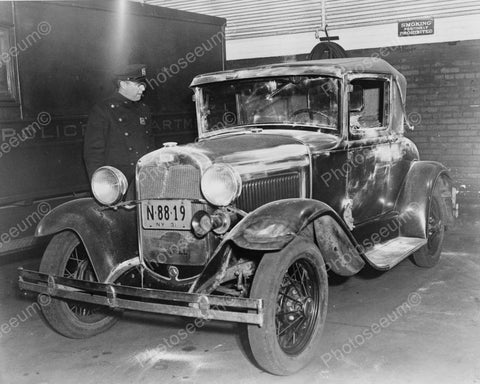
{"points": [[78, 266], [297, 307], [429, 254], [293, 285], [66, 256], [434, 226]]}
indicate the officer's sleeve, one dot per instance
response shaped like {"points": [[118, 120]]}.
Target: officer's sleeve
{"points": [[94, 143]]}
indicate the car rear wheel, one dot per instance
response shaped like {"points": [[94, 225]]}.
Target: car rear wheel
{"points": [[293, 284], [66, 256], [429, 254]]}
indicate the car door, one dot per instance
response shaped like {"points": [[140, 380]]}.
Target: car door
{"points": [[369, 140]]}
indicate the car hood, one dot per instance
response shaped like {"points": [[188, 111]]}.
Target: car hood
{"points": [[251, 152], [248, 151]]}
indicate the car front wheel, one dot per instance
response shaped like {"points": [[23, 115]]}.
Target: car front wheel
{"points": [[66, 256], [293, 284]]}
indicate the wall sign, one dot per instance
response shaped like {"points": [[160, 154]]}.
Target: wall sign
{"points": [[416, 27]]}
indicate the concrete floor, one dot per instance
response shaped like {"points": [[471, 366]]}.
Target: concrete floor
{"points": [[368, 338]]}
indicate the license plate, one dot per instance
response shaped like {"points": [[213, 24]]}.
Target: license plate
{"points": [[167, 214]]}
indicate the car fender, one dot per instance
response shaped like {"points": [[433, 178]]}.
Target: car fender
{"points": [[418, 187], [109, 236], [274, 225]]}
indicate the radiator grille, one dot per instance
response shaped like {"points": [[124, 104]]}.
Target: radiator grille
{"points": [[261, 191], [171, 247], [175, 182]]}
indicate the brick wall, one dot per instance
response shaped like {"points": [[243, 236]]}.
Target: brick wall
{"points": [[444, 94], [444, 90]]}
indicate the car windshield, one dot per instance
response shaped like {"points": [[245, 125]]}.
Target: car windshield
{"points": [[306, 102]]}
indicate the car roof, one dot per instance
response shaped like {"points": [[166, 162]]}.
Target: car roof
{"points": [[329, 67]]}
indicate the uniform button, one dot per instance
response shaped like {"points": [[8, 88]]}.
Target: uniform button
{"points": [[112, 106], [148, 147], [132, 163], [130, 149], [120, 119], [126, 133], [146, 132], [136, 153]]}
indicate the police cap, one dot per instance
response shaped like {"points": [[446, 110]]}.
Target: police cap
{"points": [[132, 72]]}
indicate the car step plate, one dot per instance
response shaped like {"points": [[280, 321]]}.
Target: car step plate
{"points": [[387, 255]]}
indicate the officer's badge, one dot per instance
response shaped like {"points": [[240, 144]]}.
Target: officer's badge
{"points": [[143, 121], [144, 71]]}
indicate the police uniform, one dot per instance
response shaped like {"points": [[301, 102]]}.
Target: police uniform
{"points": [[119, 131]]}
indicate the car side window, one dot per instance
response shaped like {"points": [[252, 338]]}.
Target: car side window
{"points": [[368, 104]]}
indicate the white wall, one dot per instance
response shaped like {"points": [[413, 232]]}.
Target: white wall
{"points": [[458, 28]]}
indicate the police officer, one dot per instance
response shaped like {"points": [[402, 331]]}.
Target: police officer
{"points": [[119, 129]]}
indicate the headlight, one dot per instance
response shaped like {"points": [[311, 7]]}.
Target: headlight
{"points": [[109, 185], [221, 184]]}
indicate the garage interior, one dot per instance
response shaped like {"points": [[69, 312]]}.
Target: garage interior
{"points": [[435, 338]]}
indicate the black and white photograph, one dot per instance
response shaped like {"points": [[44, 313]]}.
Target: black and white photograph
{"points": [[248, 192]]}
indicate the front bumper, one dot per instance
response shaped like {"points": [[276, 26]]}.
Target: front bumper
{"points": [[234, 309]]}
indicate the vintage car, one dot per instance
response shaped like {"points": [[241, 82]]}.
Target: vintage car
{"points": [[299, 169]]}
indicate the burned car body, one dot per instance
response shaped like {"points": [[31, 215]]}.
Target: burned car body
{"points": [[299, 168]]}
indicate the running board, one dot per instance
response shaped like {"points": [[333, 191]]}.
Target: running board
{"points": [[386, 255]]}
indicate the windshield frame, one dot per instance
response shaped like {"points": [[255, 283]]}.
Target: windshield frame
{"points": [[204, 133]]}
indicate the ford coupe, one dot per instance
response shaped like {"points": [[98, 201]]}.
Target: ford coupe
{"points": [[300, 171]]}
